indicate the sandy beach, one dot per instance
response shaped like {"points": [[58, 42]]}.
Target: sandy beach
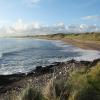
{"points": [[91, 45]]}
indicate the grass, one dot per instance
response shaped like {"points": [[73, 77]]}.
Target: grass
{"points": [[80, 36], [56, 90], [85, 36], [85, 86], [81, 85], [32, 94]]}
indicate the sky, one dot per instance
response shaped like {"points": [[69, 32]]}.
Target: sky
{"points": [[30, 17]]}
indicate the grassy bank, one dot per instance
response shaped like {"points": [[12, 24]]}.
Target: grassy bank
{"points": [[82, 36], [85, 36], [82, 84]]}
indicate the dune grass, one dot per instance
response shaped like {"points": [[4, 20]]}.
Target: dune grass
{"points": [[85, 36], [85, 85], [56, 90], [32, 94], [81, 85]]}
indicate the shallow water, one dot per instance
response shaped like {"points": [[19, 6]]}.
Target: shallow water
{"points": [[23, 55]]}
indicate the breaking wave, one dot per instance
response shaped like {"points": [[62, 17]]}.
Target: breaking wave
{"points": [[31, 53]]}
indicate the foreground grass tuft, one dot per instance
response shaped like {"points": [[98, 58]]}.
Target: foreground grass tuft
{"points": [[32, 94], [56, 90], [85, 86]]}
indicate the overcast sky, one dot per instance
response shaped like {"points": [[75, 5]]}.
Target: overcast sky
{"points": [[23, 17]]}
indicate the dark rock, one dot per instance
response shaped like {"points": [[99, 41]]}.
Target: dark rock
{"points": [[50, 66], [46, 69], [43, 70], [8, 79], [31, 73], [72, 61], [38, 68], [86, 63], [56, 63], [95, 62]]}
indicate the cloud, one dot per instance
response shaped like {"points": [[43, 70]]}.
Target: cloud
{"points": [[83, 28], [36, 28], [21, 27], [95, 17]]}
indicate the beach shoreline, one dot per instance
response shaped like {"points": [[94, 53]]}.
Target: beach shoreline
{"points": [[90, 41], [88, 45]]}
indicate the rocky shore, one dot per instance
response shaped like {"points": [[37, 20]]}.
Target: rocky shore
{"points": [[41, 75]]}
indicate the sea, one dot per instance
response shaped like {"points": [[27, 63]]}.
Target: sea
{"points": [[21, 55]]}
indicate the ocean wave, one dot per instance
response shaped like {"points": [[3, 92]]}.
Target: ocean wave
{"points": [[0, 55], [8, 54], [13, 52]]}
